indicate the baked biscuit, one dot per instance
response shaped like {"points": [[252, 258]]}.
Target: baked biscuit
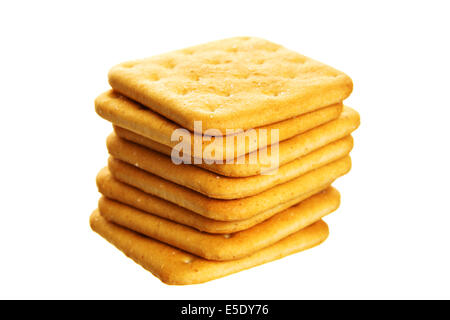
{"points": [[176, 267], [222, 187], [288, 150], [127, 114], [219, 246], [228, 210], [123, 193], [236, 83]]}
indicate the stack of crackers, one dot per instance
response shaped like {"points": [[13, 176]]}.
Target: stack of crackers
{"points": [[222, 157]]}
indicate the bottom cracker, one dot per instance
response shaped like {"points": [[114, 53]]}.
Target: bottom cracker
{"points": [[173, 266]]}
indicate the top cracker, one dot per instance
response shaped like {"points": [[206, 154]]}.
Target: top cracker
{"points": [[236, 83]]}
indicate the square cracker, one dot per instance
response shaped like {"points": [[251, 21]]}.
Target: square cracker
{"points": [[174, 266], [114, 189], [229, 210], [236, 83], [222, 187], [127, 114], [288, 150], [219, 246]]}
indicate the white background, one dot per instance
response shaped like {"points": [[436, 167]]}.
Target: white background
{"points": [[389, 239]]}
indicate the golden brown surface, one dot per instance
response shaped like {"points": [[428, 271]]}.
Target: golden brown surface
{"points": [[228, 210], [222, 187], [129, 115], [236, 83], [123, 193], [173, 266], [219, 246], [289, 149]]}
